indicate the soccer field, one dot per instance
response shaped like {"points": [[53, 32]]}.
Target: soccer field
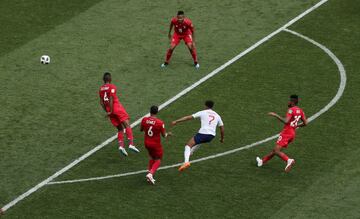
{"points": [[51, 115]]}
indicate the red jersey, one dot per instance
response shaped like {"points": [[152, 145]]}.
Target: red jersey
{"points": [[109, 90], [182, 28], [153, 127], [296, 113]]}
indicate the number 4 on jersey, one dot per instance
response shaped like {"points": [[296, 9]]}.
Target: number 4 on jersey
{"points": [[105, 97]]}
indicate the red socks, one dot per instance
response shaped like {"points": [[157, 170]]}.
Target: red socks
{"points": [[193, 54], [268, 157], [155, 165], [168, 55], [129, 135], [283, 156], [120, 136], [151, 162]]}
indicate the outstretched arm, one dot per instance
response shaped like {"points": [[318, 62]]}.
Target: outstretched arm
{"points": [[281, 119], [183, 119]]}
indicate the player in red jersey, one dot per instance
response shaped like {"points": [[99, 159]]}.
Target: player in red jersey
{"points": [[117, 113], [287, 135], [153, 128], [183, 30]]}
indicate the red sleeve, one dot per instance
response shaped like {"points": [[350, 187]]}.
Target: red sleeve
{"points": [[191, 26], [113, 91], [173, 20], [143, 122], [162, 126]]}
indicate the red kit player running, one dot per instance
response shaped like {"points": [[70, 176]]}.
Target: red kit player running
{"points": [[153, 128], [287, 135], [117, 113], [183, 30]]}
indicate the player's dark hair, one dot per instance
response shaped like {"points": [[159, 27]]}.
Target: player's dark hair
{"points": [[107, 77], [154, 110], [180, 13], [294, 98], [209, 104]]}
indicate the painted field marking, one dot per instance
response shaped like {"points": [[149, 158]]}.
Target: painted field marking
{"points": [[168, 102], [338, 95]]}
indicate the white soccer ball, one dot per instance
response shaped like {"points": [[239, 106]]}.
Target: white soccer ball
{"points": [[45, 59]]}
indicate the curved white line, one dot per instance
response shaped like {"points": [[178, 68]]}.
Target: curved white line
{"points": [[338, 95], [171, 100]]}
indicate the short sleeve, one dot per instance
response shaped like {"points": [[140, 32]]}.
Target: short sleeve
{"points": [[143, 122], [173, 20], [197, 115], [191, 26], [220, 122], [289, 112], [113, 91]]}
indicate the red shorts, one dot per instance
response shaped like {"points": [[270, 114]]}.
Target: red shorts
{"points": [[176, 38], [155, 151], [285, 139], [118, 118]]}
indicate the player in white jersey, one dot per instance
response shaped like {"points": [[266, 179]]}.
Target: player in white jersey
{"points": [[209, 121]]}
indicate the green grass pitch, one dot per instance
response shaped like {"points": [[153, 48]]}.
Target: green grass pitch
{"points": [[50, 113]]}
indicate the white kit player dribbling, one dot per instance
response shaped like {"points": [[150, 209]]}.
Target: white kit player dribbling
{"points": [[209, 121]]}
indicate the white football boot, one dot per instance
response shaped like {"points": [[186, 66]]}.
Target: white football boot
{"points": [[123, 151], [289, 164], [150, 178], [259, 161], [197, 65], [134, 149]]}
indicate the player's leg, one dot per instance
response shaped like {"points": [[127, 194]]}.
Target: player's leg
{"points": [[265, 159], [279, 153], [194, 148], [174, 42], [120, 137], [289, 162], [129, 134], [151, 162], [156, 154], [189, 43], [115, 120], [187, 153], [194, 141]]}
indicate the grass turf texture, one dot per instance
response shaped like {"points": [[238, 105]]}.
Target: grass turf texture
{"points": [[258, 83]]}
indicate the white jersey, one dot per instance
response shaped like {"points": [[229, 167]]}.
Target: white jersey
{"points": [[209, 121]]}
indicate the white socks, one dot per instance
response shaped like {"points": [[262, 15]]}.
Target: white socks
{"points": [[187, 153], [194, 148]]}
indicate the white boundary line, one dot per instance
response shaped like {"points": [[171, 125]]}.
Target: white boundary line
{"points": [[312, 118], [182, 93]]}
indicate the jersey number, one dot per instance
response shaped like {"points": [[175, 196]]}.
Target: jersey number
{"points": [[150, 132], [105, 97], [296, 120], [211, 119]]}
